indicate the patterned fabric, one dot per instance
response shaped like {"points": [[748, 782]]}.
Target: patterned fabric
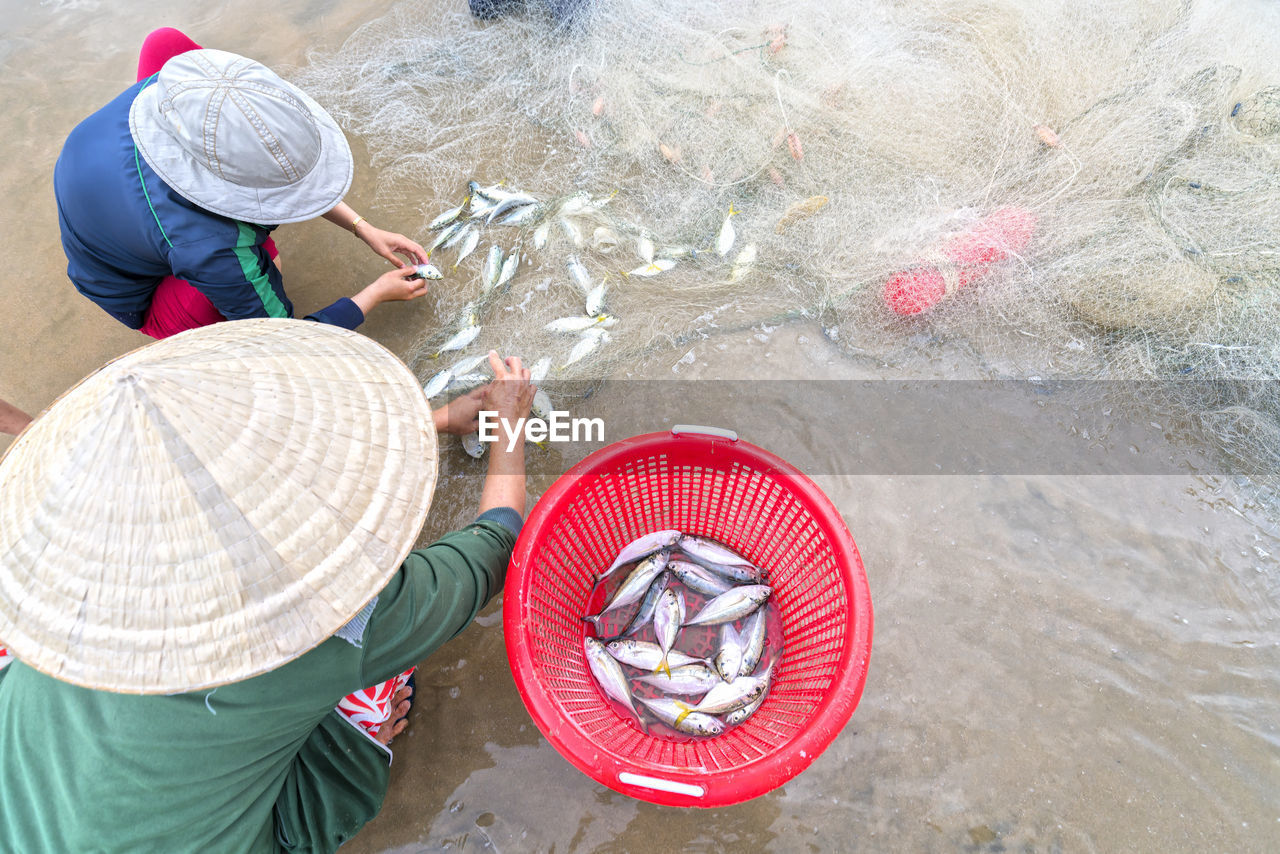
{"points": [[5, 657], [370, 707]]}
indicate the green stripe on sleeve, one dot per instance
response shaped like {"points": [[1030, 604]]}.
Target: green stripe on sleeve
{"points": [[253, 272]]}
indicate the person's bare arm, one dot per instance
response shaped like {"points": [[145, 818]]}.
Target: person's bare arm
{"points": [[511, 396], [13, 419], [384, 243]]}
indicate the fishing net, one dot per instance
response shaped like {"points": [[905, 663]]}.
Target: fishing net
{"points": [[1085, 190]]}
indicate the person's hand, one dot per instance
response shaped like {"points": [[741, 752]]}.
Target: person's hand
{"points": [[390, 286], [388, 244], [510, 394], [461, 415]]}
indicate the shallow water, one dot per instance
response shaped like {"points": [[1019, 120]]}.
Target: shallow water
{"points": [[1073, 663]]}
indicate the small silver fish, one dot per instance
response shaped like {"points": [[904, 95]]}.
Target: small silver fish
{"points": [[508, 271], [521, 215], [427, 271], [644, 615], [724, 242], [480, 208], [728, 696], [575, 204], [466, 382], [658, 265], [743, 263], [480, 200], [753, 638], [727, 607], [577, 324], [667, 619], [604, 240], [686, 680], [491, 269], [608, 673], [641, 546], [591, 339], [506, 205], [437, 384], [717, 558], [496, 193], [467, 246], [644, 247], [540, 235], [461, 339], [700, 580], [538, 372], [473, 446], [635, 585], [579, 275], [646, 655], [678, 251], [595, 299], [541, 407], [737, 716], [572, 232], [445, 218], [447, 234], [728, 659], [462, 234], [682, 717], [469, 364]]}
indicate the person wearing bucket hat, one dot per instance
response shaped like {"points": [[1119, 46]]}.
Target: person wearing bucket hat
{"points": [[203, 546], [168, 195]]}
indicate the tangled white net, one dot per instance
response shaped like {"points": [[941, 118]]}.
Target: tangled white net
{"points": [[1084, 190]]}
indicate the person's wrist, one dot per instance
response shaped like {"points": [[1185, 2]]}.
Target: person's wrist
{"points": [[367, 298], [509, 440]]}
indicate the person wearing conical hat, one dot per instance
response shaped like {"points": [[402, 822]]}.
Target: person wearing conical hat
{"points": [[168, 195], [204, 546]]}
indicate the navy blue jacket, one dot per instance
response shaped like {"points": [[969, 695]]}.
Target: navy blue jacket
{"points": [[124, 230]]}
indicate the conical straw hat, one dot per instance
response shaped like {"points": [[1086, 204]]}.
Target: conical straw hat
{"points": [[211, 506]]}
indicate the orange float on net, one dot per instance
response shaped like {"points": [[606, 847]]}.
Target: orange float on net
{"points": [[793, 143], [959, 260], [1047, 136]]}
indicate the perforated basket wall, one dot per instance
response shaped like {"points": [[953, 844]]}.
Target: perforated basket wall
{"points": [[759, 506]]}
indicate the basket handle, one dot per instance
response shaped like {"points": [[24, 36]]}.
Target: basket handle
{"points": [[708, 431], [661, 785]]}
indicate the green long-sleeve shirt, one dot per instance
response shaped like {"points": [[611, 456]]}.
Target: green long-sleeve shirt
{"points": [[232, 768]]}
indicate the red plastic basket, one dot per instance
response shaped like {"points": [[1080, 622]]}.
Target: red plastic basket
{"points": [[709, 483]]}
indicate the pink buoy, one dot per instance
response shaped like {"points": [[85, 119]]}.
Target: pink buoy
{"points": [[960, 259]]}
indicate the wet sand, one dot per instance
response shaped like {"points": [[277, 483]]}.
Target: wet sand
{"points": [[1059, 664]]}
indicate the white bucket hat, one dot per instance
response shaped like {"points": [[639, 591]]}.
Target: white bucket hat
{"points": [[232, 136], [211, 506]]}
